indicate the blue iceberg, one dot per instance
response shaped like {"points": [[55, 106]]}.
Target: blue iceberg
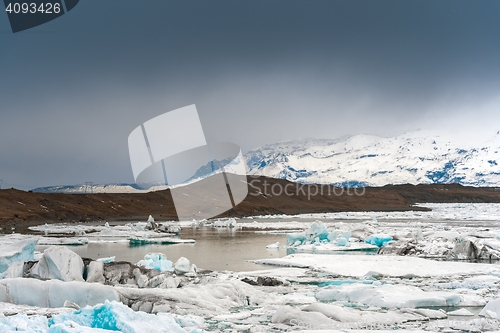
{"points": [[378, 239]]}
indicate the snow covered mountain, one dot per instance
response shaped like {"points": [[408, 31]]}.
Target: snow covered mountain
{"points": [[96, 188], [420, 157]]}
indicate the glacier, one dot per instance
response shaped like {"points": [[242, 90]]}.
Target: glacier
{"points": [[420, 157]]}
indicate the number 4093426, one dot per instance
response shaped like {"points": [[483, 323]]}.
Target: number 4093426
{"points": [[32, 8]]}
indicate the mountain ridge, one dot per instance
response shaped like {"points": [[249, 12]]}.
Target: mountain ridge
{"points": [[420, 157]]}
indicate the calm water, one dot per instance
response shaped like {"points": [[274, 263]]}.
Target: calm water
{"points": [[215, 249]]}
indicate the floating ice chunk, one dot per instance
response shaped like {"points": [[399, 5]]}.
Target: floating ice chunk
{"points": [[290, 316], [63, 241], [317, 230], [273, 246], [95, 272], [334, 247], [59, 263], [346, 315], [341, 241], [295, 239], [491, 310], [182, 266], [156, 261], [19, 251], [226, 223], [429, 313], [460, 312], [316, 233], [158, 240], [395, 296], [53, 293], [378, 239], [107, 260]]}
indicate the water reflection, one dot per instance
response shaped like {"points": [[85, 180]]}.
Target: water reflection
{"points": [[215, 249]]}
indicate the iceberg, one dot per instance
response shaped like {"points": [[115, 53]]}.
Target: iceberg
{"points": [[491, 310], [95, 272], [378, 239], [318, 231], [226, 223], [158, 240], [395, 296], [21, 251], [54, 293], [59, 262], [101, 318], [156, 261], [295, 239], [183, 266], [115, 316], [63, 241]]}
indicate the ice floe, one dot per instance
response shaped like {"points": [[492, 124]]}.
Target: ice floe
{"points": [[395, 296], [359, 265]]}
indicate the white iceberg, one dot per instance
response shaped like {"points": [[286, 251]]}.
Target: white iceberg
{"points": [[95, 272], [21, 251], [54, 293], [59, 262], [461, 312], [225, 223], [182, 266], [491, 310], [156, 261], [63, 241], [395, 296]]}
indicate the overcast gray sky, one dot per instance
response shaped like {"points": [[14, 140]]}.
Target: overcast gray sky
{"points": [[259, 71]]}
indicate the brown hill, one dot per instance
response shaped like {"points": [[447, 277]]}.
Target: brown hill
{"points": [[21, 209]]}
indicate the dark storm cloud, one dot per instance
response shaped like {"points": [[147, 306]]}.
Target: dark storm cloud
{"points": [[259, 71]]}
